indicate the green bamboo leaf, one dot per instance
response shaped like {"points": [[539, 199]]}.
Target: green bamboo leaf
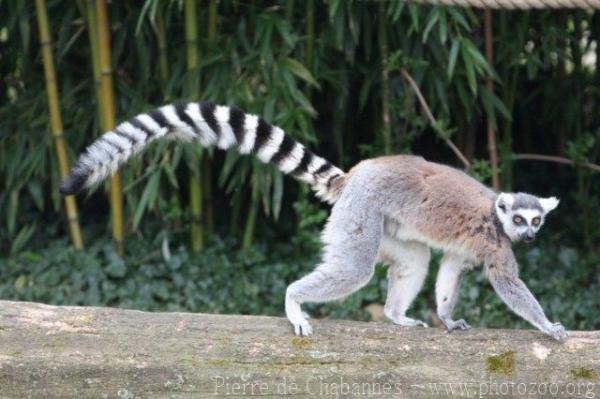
{"points": [[469, 67], [269, 108], [25, 30], [459, 18], [12, 211], [433, 18], [265, 180], [466, 99], [495, 103], [300, 71], [22, 238], [443, 27], [533, 65], [229, 166], [142, 14], [334, 6], [368, 38], [304, 102], [413, 11], [148, 196], [396, 10], [266, 40], [488, 105], [479, 59], [453, 57], [170, 169], [284, 30], [353, 26], [365, 90], [35, 190], [442, 93], [277, 195]]}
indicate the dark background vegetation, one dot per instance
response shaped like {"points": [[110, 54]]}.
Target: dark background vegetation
{"points": [[326, 72]]}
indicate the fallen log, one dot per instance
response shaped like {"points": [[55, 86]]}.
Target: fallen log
{"points": [[59, 351]]}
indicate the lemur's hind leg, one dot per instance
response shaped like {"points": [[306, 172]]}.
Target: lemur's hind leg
{"points": [[409, 262], [450, 275], [351, 244]]}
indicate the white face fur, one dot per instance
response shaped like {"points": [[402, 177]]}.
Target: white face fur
{"points": [[522, 215]]}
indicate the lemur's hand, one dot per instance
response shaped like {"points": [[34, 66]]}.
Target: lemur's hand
{"points": [[557, 331], [452, 325]]}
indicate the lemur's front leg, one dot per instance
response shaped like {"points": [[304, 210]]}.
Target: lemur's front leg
{"points": [[447, 287], [501, 268]]}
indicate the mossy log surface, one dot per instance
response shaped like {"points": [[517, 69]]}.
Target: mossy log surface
{"points": [[58, 351]]}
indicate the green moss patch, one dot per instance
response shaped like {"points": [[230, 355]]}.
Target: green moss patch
{"points": [[501, 364], [584, 373]]}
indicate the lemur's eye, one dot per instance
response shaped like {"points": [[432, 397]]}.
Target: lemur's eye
{"points": [[536, 221], [517, 220]]}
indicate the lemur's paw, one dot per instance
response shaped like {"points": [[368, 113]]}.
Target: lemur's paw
{"points": [[419, 323], [408, 322], [302, 328], [297, 317], [557, 331], [452, 325]]}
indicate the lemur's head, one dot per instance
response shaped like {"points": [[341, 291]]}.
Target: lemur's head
{"points": [[522, 215]]}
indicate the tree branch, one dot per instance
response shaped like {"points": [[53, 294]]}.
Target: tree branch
{"points": [[556, 159], [89, 352], [464, 160], [432, 119]]}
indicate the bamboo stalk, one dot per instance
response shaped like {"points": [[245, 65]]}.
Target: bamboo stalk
{"points": [[191, 42], [310, 39], [304, 191], [509, 89], [596, 34], [56, 120], [561, 125], [236, 210], [386, 130], [491, 134], [289, 11], [95, 50], [163, 60], [107, 108], [207, 169], [207, 180], [160, 29], [197, 222], [338, 120], [212, 20], [251, 221]]}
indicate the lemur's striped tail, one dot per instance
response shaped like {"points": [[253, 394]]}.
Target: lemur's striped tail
{"points": [[211, 124]]}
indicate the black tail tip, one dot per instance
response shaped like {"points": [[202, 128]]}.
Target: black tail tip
{"points": [[73, 184]]}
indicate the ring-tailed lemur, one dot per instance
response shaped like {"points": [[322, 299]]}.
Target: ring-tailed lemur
{"points": [[391, 208]]}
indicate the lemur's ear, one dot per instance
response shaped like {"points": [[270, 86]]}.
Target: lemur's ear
{"points": [[504, 201], [549, 204]]}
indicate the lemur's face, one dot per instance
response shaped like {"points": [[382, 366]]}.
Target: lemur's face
{"points": [[522, 215]]}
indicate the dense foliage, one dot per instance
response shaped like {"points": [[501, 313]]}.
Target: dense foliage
{"points": [[328, 73]]}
